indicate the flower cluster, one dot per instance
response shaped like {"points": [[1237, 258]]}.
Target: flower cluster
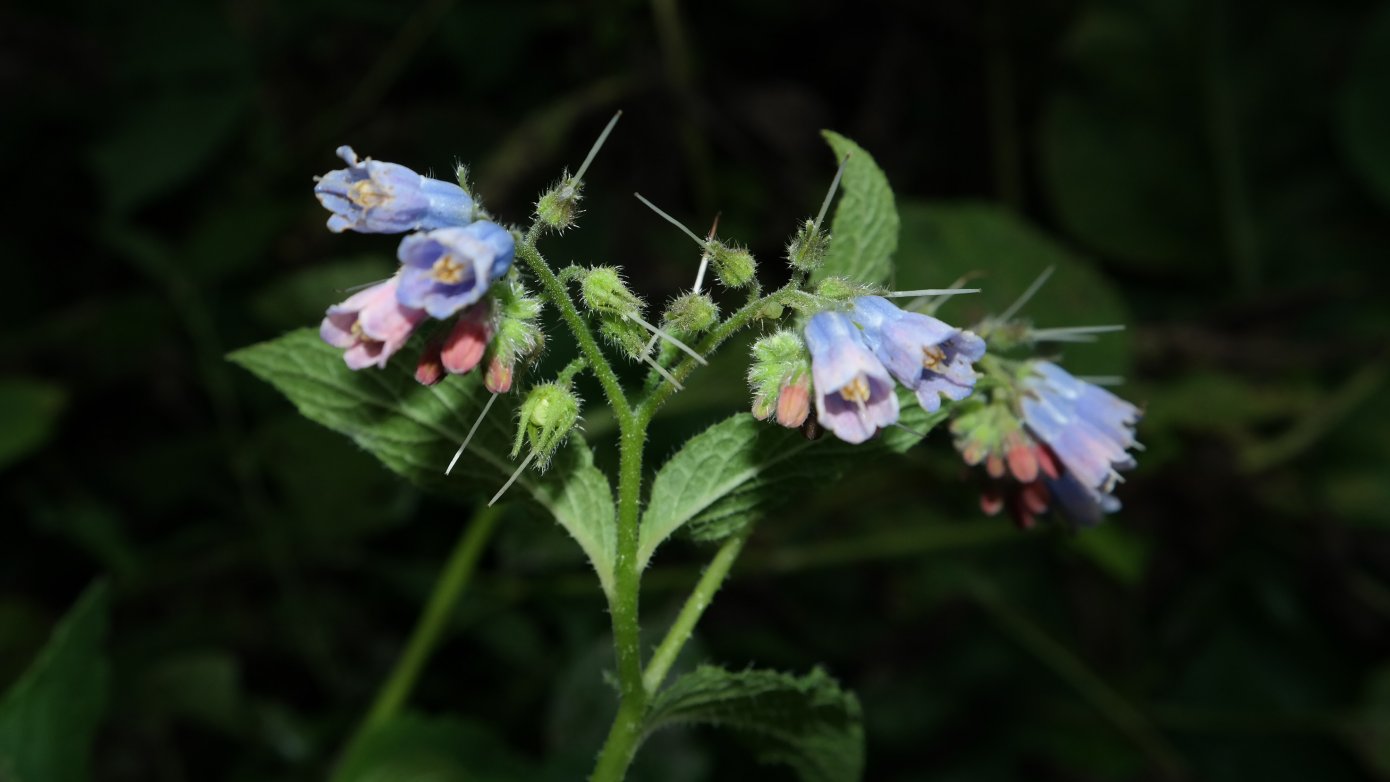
{"points": [[448, 265], [1049, 439], [851, 360]]}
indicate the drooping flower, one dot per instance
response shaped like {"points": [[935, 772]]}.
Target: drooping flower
{"points": [[370, 196], [1087, 428], [448, 269], [463, 347], [854, 393], [371, 325], [926, 355], [429, 369]]}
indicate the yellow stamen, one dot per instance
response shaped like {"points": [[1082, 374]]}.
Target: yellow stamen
{"points": [[932, 356], [366, 194], [447, 270], [856, 390]]}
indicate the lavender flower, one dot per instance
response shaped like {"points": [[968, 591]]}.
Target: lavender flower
{"points": [[1089, 429], [854, 393], [373, 197], [371, 325], [923, 353], [450, 268]]}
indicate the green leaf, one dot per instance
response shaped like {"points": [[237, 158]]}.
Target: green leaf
{"points": [[425, 749], [414, 430], [738, 470], [28, 411], [864, 233], [808, 723], [943, 241], [48, 719], [1365, 107]]}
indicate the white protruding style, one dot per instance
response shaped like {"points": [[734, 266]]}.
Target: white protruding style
{"points": [[471, 432]]}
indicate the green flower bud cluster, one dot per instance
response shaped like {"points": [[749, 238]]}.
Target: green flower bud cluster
{"points": [[549, 414], [517, 335], [733, 265], [780, 378], [690, 313], [558, 207], [806, 251], [603, 292]]}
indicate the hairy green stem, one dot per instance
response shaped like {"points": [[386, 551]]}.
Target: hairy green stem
{"points": [[694, 608], [731, 326], [559, 297], [626, 732], [458, 570]]}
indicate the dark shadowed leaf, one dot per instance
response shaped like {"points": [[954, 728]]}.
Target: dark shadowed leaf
{"points": [[49, 717], [806, 722], [28, 411], [738, 470], [414, 430]]}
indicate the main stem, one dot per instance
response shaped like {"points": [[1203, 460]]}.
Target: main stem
{"points": [[557, 295], [626, 732], [430, 626]]}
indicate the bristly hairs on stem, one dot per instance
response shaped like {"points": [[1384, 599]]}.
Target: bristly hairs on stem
{"points": [[598, 144], [1028, 294]]}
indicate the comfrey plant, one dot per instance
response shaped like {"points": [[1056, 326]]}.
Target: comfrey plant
{"points": [[836, 354]]}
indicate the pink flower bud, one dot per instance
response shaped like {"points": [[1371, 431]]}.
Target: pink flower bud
{"points": [[464, 346], [499, 377], [430, 369], [794, 403]]}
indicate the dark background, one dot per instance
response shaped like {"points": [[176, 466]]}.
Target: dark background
{"points": [[1215, 173]]}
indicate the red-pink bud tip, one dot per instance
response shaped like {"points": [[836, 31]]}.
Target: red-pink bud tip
{"points": [[499, 377]]}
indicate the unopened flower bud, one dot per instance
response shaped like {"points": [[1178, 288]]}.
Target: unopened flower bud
{"points": [[430, 369], [499, 376], [548, 415], [625, 335], [734, 266], [604, 292], [840, 289], [691, 313], [780, 377], [518, 337], [559, 206], [794, 402], [464, 346], [807, 249]]}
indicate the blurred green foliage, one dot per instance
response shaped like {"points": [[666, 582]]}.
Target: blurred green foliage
{"points": [[1215, 174]]}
